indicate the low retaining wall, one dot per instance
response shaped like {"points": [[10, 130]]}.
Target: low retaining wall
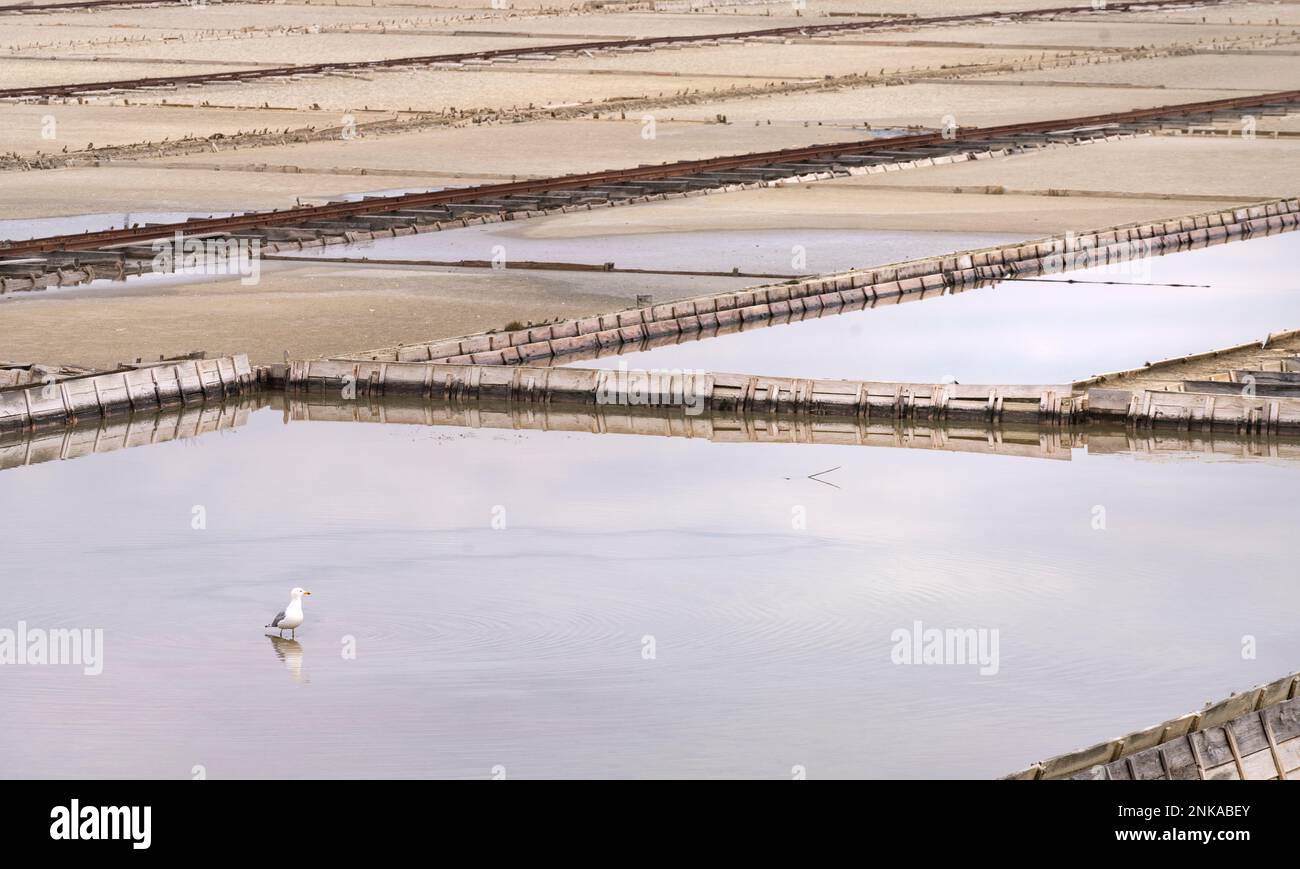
{"points": [[116, 270], [689, 392], [1148, 408], [1252, 735], [797, 298], [699, 392], [1239, 354], [167, 384], [635, 339]]}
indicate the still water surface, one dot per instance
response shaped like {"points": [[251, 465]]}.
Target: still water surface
{"points": [[522, 646], [1026, 331], [795, 251]]}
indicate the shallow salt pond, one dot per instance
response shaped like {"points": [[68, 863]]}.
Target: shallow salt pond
{"points": [[769, 251], [501, 588], [568, 604]]}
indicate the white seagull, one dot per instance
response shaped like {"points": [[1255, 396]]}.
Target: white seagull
{"points": [[290, 617]]}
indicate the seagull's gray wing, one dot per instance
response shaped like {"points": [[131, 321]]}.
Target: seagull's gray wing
{"points": [[276, 621]]}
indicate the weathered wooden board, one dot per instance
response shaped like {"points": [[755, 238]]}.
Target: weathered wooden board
{"points": [[689, 391], [1253, 735], [1224, 387], [1194, 410], [76, 399]]}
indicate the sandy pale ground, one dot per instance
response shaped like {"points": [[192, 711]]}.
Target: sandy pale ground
{"points": [[927, 104], [1177, 165], [60, 192], [195, 21], [833, 205], [645, 24], [427, 90], [1110, 31], [572, 81], [1239, 15], [178, 18], [27, 129], [308, 310], [813, 9], [34, 72], [515, 9], [607, 143], [318, 309], [308, 48], [504, 151], [536, 148], [1258, 73], [798, 60], [431, 90], [895, 7], [54, 34], [1173, 165], [1268, 124]]}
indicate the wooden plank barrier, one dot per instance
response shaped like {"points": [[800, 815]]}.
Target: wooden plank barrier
{"points": [[692, 392], [1252, 735], [1147, 408], [189, 381]]}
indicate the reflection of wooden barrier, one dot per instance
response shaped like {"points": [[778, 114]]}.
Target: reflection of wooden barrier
{"points": [[166, 384], [1253, 735], [21, 447], [798, 299], [1174, 443], [1051, 442], [107, 434]]}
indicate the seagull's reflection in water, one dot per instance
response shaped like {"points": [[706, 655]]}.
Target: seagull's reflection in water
{"points": [[289, 651]]}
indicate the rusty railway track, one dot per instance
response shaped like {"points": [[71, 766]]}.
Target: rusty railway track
{"points": [[715, 171], [83, 88]]}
